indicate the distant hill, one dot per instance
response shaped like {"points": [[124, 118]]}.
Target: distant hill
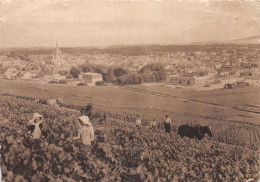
{"points": [[138, 50], [248, 40]]}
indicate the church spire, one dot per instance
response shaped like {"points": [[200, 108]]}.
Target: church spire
{"points": [[57, 49], [57, 59]]}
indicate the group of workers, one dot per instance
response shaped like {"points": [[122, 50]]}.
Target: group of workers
{"points": [[86, 131], [167, 123]]}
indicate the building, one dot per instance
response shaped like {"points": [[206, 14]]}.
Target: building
{"points": [[172, 79], [254, 81], [91, 78], [183, 80], [188, 79]]}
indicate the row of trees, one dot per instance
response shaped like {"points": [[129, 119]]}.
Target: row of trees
{"points": [[153, 72]]}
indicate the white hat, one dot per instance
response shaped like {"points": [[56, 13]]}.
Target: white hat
{"points": [[85, 120], [35, 116]]}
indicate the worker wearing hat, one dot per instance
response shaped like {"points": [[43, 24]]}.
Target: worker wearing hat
{"points": [[35, 125], [86, 131], [138, 121]]}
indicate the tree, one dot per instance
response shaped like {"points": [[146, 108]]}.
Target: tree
{"points": [[122, 80], [119, 72], [74, 71], [110, 75], [153, 72], [93, 68], [85, 68]]}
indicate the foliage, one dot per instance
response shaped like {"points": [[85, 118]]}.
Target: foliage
{"points": [[110, 77], [63, 82], [153, 72], [100, 83], [87, 67], [69, 76], [74, 71], [119, 72], [82, 84], [54, 82], [120, 152], [63, 72], [45, 71], [129, 79], [149, 73]]}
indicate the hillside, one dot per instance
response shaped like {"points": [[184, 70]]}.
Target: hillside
{"points": [[119, 153]]}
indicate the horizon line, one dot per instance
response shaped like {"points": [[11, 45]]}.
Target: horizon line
{"points": [[132, 45]]}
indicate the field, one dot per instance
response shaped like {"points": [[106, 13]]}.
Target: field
{"points": [[222, 97], [185, 102], [122, 153]]}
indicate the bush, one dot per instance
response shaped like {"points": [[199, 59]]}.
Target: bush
{"points": [[100, 83], [53, 82], [129, 79], [63, 72], [74, 71], [42, 101], [69, 76], [63, 81], [82, 84]]}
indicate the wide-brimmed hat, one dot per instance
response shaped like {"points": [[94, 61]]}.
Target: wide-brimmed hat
{"points": [[35, 116], [85, 120]]}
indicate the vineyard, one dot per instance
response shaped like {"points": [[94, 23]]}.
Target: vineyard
{"points": [[121, 152], [233, 132]]}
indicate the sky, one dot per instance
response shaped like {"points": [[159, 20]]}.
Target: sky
{"points": [[85, 23]]}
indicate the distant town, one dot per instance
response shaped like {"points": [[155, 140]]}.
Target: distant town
{"points": [[198, 66]]}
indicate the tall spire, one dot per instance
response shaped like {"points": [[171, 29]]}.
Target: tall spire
{"points": [[57, 59], [56, 53]]}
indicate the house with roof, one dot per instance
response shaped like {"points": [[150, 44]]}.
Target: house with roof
{"points": [[191, 79], [185, 79], [225, 71], [91, 78], [172, 79], [253, 81]]}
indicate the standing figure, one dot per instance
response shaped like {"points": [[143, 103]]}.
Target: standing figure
{"points": [[138, 121], [167, 124], [154, 124], [35, 126], [86, 131]]}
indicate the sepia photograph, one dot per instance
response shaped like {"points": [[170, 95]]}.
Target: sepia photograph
{"points": [[129, 90]]}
